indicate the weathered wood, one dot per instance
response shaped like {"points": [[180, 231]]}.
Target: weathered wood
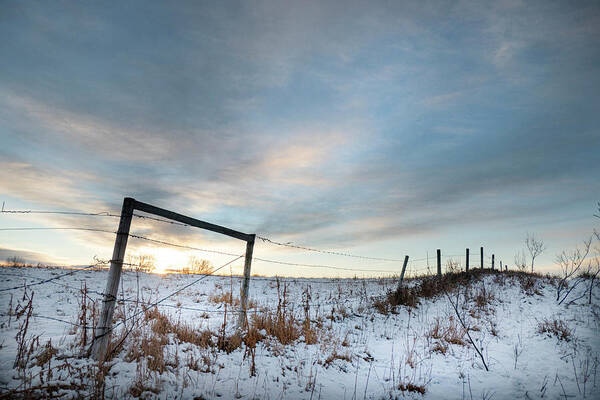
{"points": [[191, 221], [100, 342], [467, 261], [246, 284], [98, 348], [481, 250], [493, 260], [439, 262], [403, 268], [501, 266]]}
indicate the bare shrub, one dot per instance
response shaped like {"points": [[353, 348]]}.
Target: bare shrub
{"points": [[521, 261], [142, 262], [452, 266], [535, 246], [198, 266], [570, 264], [15, 261]]}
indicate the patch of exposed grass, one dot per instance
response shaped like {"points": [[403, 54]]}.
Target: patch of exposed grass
{"points": [[557, 328]]}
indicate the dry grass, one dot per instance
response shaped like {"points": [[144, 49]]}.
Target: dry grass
{"points": [[427, 287], [450, 332], [557, 328], [413, 291], [149, 345], [48, 351], [224, 298], [184, 332], [143, 383], [409, 387], [309, 333], [282, 326], [336, 356], [529, 281], [483, 297], [229, 343]]}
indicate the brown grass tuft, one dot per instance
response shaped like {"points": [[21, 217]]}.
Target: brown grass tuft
{"points": [[409, 387], [282, 326], [557, 328], [451, 332]]}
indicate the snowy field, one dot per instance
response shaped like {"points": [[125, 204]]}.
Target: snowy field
{"points": [[341, 346]]}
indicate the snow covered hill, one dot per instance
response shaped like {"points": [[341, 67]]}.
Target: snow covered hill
{"points": [[308, 338]]}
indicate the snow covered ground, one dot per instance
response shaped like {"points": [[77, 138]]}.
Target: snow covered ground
{"points": [[359, 352]]}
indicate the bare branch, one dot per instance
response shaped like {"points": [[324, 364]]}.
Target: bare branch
{"points": [[535, 246], [570, 263]]}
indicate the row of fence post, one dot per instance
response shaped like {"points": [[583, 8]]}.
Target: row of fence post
{"points": [[467, 259]]}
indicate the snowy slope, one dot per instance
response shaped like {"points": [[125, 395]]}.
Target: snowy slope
{"points": [[360, 352]]}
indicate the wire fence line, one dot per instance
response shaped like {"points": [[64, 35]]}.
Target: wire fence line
{"points": [[335, 253], [212, 251], [109, 329], [263, 238], [101, 263], [150, 305], [50, 279], [171, 244]]}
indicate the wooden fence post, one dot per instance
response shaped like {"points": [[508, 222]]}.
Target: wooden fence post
{"points": [[403, 269], [493, 259], [100, 343], [467, 261], [439, 262], [501, 266], [246, 283], [481, 250]]}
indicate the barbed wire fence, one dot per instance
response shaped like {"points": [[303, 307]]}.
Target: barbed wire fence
{"points": [[419, 266]]}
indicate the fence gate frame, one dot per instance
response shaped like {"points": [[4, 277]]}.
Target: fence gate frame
{"points": [[101, 339]]}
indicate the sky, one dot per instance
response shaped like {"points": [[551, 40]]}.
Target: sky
{"points": [[376, 128]]}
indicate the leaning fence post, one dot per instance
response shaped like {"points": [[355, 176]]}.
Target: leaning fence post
{"points": [[439, 262], [403, 269], [467, 261], [112, 284], [481, 250], [493, 259], [246, 283]]}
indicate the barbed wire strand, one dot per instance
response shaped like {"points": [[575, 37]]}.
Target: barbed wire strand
{"points": [[168, 296], [335, 253], [48, 280], [263, 238]]}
